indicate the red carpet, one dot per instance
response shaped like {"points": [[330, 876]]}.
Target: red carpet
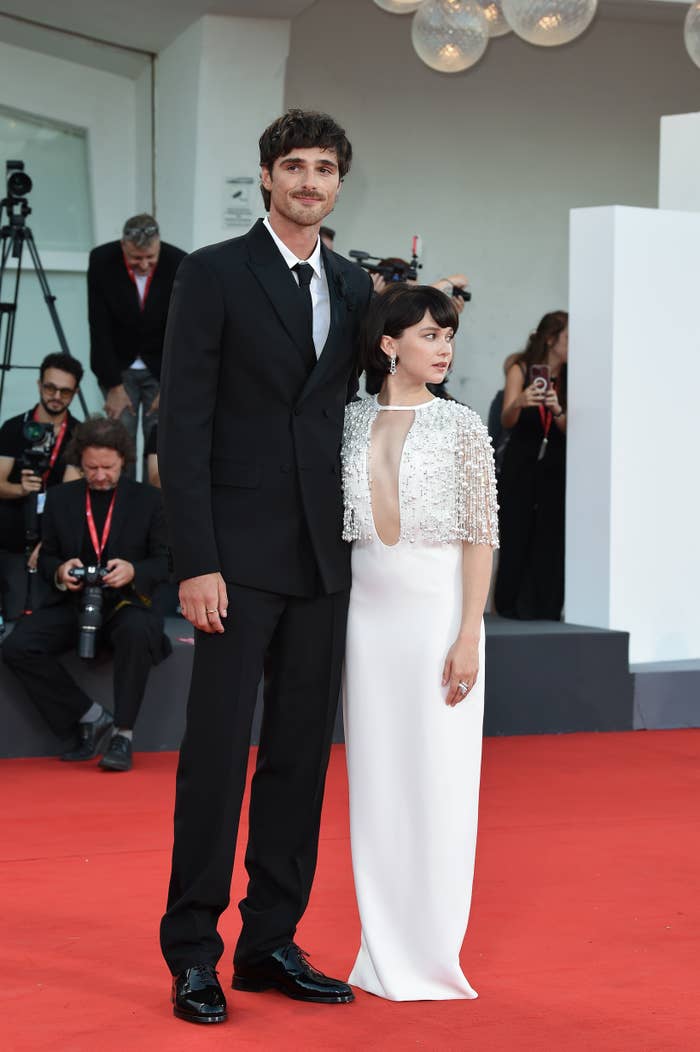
{"points": [[584, 932]]}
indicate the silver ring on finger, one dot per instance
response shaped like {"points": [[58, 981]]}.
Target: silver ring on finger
{"points": [[463, 687]]}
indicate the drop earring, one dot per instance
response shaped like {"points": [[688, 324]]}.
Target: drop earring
{"points": [[392, 364]]}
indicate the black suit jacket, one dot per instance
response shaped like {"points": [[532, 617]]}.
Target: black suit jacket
{"points": [[249, 440], [119, 330], [138, 533]]}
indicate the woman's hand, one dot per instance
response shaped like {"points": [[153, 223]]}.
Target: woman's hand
{"points": [[551, 401], [532, 395], [461, 666]]}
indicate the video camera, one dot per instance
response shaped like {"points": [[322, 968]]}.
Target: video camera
{"points": [[393, 269], [17, 182], [90, 618], [36, 457], [390, 268]]}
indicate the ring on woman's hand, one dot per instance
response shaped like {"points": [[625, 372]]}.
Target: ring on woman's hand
{"points": [[463, 687], [211, 611]]}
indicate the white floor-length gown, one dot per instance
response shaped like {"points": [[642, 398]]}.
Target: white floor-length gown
{"points": [[413, 762]]}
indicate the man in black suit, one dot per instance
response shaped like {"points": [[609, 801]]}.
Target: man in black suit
{"points": [[260, 360], [103, 520], [129, 287]]}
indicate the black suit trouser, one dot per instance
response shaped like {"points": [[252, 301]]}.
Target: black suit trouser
{"points": [[33, 648], [300, 643]]}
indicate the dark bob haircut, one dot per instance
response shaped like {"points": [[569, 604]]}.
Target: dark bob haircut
{"points": [[392, 312], [299, 129], [103, 433]]}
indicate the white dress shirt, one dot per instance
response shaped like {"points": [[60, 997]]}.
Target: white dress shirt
{"points": [[141, 281], [320, 300]]}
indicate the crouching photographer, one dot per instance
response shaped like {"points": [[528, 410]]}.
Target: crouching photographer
{"points": [[104, 550], [32, 460]]}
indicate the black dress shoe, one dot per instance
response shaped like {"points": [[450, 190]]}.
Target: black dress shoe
{"points": [[118, 755], [288, 970], [197, 995], [91, 738]]}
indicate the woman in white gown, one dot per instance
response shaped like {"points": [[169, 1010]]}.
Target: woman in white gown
{"points": [[420, 509]]}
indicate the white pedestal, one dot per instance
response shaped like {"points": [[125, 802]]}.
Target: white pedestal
{"points": [[633, 500]]}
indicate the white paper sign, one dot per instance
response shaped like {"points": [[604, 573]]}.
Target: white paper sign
{"points": [[238, 200]]}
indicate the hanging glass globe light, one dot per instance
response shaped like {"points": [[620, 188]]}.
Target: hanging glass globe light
{"points": [[498, 27], [398, 7], [549, 22], [450, 35], [691, 32]]}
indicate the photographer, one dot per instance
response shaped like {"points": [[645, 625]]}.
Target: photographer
{"points": [[129, 286], [532, 482], [32, 460], [103, 546]]}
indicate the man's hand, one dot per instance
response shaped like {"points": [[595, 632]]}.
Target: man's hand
{"points": [[120, 573], [117, 401], [33, 560], [447, 284], [378, 282], [154, 405], [204, 602], [63, 577], [29, 482]]}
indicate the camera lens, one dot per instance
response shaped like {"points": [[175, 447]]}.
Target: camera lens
{"points": [[18, 184]]}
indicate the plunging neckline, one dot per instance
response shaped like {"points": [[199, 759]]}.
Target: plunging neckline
{"points": [[399, 468]]}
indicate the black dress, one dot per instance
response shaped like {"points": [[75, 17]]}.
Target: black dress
{"points": [[530, 579]]}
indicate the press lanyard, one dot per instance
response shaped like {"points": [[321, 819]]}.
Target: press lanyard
{"points": [[98, 545], [56, 447], [149, 279], [546, 418]]}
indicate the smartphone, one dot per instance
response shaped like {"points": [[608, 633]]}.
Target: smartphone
{"points": [[540, 377]]}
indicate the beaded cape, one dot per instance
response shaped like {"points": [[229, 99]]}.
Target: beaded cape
{"points": [[447, 483]]}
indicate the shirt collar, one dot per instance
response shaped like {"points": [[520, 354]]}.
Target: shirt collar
{"points": [[288, 256]]}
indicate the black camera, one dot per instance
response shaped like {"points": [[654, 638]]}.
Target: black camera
{"points": [[36, 457], [17, 181], [391, 269], [457, 290], [90, 619], [37, 454]]}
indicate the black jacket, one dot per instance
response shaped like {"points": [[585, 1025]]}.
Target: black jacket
{"points": [[249, 441], [119, 330], [138, 533]]}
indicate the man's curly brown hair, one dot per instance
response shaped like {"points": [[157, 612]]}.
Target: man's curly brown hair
{"points": [[104, 433]]}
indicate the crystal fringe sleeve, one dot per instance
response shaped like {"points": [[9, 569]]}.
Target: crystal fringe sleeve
{"points": [[447, 488]]}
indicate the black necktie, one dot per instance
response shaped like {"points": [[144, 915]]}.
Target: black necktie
{"points": [[305, 272]]}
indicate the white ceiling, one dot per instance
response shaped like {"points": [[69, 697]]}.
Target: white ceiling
{"points": [[59, 27]]}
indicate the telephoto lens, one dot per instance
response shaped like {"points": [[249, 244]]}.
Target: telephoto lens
{"points": [[90, 617]]}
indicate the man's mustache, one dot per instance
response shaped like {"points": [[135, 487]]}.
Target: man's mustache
{"points": [[314, 197]]}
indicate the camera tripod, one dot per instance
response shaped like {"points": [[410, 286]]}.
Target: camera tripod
{"points": [[14, 235]]}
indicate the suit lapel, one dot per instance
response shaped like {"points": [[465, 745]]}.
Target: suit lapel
{"points": [[279, 285]]}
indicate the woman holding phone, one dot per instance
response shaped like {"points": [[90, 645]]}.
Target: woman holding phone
{"points": [[530, 579]]}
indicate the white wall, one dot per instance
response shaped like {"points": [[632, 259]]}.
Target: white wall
{"points": [[633, 504], [486, 164], [111, 109], [217, 86]]}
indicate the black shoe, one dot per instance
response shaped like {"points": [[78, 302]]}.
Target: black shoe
{"points": [[118, 755], [91, 738], [197, 995], [288, 970]]}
